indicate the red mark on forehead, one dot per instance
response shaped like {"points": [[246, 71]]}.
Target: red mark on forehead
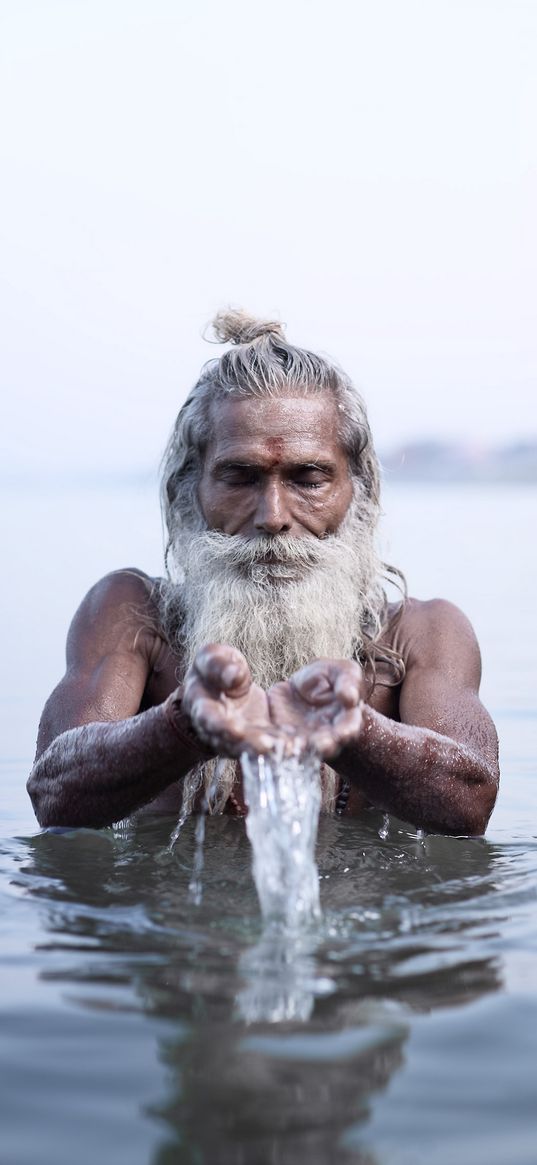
{"points": [[275, 446]]}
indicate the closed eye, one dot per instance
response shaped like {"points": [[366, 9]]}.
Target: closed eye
{"points": [[311, 476], [308, 476], [238, 479]]}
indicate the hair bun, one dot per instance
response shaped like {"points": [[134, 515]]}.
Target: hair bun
{"points": [[235, 326]]}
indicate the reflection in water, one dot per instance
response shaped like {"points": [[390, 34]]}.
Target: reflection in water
{"points": [[259, 1098], [408, 925], [280, 980]]}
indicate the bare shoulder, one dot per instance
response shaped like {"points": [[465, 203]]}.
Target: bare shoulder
{"points": [[112, 646], [435, 633], [118, 614]]}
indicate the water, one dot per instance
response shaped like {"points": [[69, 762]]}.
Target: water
{"points": [[398, 1029], [195, 886], [283, 794]]}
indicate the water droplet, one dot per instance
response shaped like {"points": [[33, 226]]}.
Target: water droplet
{"points": [[384, 830]]}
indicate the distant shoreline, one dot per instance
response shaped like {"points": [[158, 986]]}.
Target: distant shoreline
{"points": [[449, 462], [436, 462]]}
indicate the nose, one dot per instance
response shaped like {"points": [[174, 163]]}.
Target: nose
{"points": [[271, 515]]}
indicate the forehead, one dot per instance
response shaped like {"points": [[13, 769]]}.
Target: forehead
{"points": [[286, 427]]}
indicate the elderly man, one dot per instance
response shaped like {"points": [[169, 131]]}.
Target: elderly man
{"points": [[272, 624]]}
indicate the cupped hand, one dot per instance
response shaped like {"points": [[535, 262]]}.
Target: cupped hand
{"points": [[229, 712], [320, 706]]}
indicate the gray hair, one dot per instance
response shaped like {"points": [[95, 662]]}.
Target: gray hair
{"points": [[261, 363]]}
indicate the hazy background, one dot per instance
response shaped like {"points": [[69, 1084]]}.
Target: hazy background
{"points": [[367, 171]]}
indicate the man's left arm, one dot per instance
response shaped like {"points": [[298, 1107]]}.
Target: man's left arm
{"points": [[438, 766]]}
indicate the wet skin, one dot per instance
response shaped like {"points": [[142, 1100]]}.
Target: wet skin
{"points": [[118, 733], [275, 467]]}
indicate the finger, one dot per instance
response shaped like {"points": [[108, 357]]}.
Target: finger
{"points": [[348, 683], [329, 740], [225, 734], [196, 689], [207, 713], [324, 743], [259, 740], [256, 741], [193, 689], [348, 725], [223, 668], [313, 683], [323, 679]]}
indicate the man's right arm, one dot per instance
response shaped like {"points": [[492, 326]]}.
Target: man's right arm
{"points": [[98, 757]]}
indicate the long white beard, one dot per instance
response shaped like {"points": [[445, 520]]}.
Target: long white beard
{"points": [[282, 601]]}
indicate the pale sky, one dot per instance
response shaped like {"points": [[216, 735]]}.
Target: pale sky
{"points": [[365, 170]]}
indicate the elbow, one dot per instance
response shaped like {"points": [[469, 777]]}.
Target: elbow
{"points": [[45, 795], [36, 789], [482, 798], [469, 813], [480, 814], [470, 824], [33, 789]]}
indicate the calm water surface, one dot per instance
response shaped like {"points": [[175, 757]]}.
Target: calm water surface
{"points": [[138, 1027]]}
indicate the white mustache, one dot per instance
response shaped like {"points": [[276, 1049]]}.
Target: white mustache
{"points": [[279, 549]]}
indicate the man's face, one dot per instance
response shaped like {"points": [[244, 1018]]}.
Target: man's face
{"points": [[275, 466]]}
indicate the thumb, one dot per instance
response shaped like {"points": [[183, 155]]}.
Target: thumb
{"points": [[223, 668]]}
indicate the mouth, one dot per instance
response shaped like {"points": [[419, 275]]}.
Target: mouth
{"points": [[275, 569]]}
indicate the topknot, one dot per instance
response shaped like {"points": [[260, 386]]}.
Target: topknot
{"points": [[235, 326]]}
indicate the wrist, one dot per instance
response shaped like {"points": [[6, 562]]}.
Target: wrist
{"points": [[183, 727]]}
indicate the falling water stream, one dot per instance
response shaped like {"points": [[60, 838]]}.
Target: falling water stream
{"points": [[283, 794]]}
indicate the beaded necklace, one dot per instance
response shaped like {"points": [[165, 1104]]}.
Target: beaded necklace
{"points": [[342, 798]]}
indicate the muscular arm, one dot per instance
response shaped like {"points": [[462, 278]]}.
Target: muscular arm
{"points": [[438, 767], [99, 758]]}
